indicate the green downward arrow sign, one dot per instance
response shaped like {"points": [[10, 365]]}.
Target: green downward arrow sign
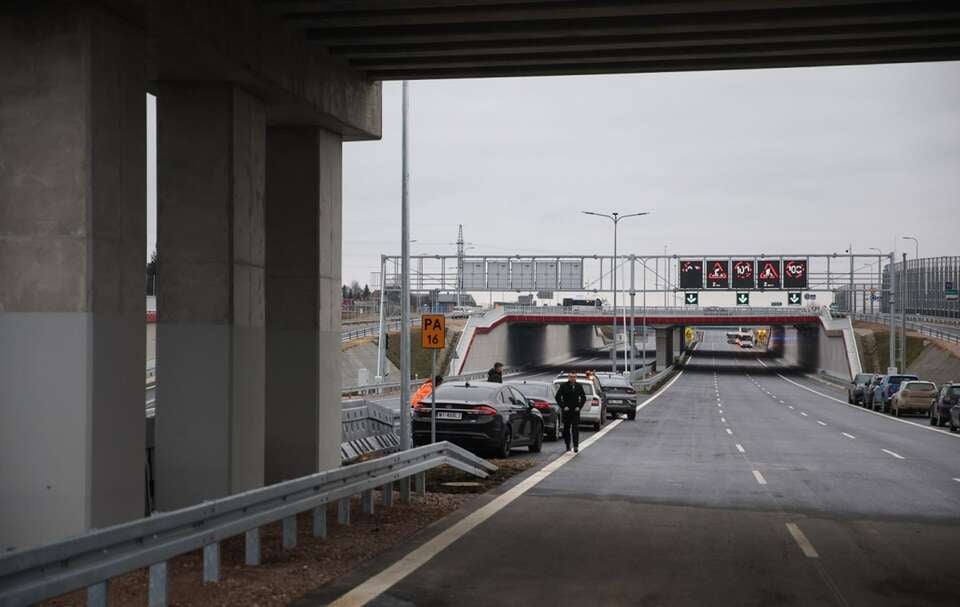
{"points": [[743, 299]]}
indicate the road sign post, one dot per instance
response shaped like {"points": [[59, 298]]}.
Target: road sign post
{"points": [[433, 336], [743, 299]]}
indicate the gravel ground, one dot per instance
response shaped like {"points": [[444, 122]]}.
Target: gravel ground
{"points": [[285, 576]]}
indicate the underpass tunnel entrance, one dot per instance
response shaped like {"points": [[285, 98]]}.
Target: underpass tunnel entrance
{"points": [[784, 348]]}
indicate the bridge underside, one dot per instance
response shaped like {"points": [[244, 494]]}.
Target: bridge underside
{"points": [[482, 38]]}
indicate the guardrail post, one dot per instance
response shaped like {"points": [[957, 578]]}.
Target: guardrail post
{"points": [[289, 526], [404, 489], [367, 503], [157, 586], [420, 483], [97, 594], [211, 563], [251, 552], [343, 511], [320, 521], [387, 492]]}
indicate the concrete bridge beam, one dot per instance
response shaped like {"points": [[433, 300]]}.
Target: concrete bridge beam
{"points": [[72, 255], [210, 335], [665, 342], [303, 219]]}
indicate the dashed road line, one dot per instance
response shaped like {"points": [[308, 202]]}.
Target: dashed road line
{"points": [[729, 431], [896, 455], [821, 423], [723, 419], [803, 414], [759, 477], [808, 550], [740, 448], [791, 406], [848, 435]]}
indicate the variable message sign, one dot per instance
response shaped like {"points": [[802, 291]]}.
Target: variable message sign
{"points": [[768, 273], [718, 274], [743, 274], [795, 274], [691, 273]]}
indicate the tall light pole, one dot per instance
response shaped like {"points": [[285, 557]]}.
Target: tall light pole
{"points": [[916, 255], [404, 280], [615, 218]]}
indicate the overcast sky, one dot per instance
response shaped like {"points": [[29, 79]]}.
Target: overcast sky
{"points": [[792, 160]]}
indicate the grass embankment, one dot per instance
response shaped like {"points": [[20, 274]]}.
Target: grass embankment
{"points": [[876, 359], [421, 358]]}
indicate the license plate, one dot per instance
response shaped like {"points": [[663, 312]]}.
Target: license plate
{"points": [[449, 415]]}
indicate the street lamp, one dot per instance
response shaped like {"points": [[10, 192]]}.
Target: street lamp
{"points": [[615, 218], [916, 255]]}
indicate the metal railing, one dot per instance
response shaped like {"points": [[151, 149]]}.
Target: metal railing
{"points": [[652, 312], [395, 386], [91, 560], [393, 325], [945, 333]]}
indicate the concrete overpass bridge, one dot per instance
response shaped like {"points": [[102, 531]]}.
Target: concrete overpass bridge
{"points": [[254, 102], [528, 335]]}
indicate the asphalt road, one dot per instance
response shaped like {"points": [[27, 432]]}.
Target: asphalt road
{"points": [[734, 486]]}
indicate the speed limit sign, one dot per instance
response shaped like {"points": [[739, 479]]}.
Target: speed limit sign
{"points": [[433, 331]]}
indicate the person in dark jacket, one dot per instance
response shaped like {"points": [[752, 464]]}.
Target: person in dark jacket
{"points": [[570, 399], [496, 373]]}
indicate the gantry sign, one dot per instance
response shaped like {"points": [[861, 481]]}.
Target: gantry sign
{"points": [[743, 274]]}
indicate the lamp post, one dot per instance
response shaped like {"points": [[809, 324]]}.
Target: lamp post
{"points": [[916, 255], [615, 218], [405, 282]]}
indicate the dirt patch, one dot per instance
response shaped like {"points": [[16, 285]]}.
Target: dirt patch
{"points": [[439, 479], [284, 575]]}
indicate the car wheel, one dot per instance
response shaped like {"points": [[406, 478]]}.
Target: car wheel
{"points": [[556, 432], [952, 427], [849, 399], [934, 421], [596, 426], [537, 444], [632, 415], [505, 444]]}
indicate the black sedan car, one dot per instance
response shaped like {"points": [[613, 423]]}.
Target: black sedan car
{"points": [[481, 416], [857, 388], [540, 395], [620, 394], [947, 398]]}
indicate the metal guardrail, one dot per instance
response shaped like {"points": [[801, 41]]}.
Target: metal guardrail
{"points": [[392, 386], [944, 334], [90, 560], [368, 428], [393, 325]]}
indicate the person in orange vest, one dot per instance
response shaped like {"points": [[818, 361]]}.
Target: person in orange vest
{"points": [[425, 389]]}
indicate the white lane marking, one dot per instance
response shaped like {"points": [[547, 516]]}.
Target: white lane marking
{"points": [[782, 403], [791, 406], [848, 435], [740, 448], [383, 581], [808, 550], [956, 479], [864, 410], [896, 455], [803, 414], [723, 419], [729, 431], [821, 423], [759, 477]]}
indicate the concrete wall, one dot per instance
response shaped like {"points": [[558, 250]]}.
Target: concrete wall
{"points": [[518, 344], [811, 349]]}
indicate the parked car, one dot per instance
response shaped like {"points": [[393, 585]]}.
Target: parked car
{"points": [[869, 389], [887, 388], [947, 398], [481, 416], [857, 388], [913, 396], [594, 411], [955, 418], [620, 395], [541, 395]]}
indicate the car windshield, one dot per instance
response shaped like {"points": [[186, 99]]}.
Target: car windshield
{"points": [[954, 391], [864, 378], [898, 379], [464, 393], [919, 385], [535, 390]]}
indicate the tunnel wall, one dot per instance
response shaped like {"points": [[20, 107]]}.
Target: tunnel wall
{"points": [[811, 349], [518, 344]]}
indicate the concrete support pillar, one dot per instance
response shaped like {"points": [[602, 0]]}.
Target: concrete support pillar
{"points": [[303, 236], [72, 255], [664, 347], [678, 345], [210, 335]]}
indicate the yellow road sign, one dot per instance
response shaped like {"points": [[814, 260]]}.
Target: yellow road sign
{"points": [[433, 331]]}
